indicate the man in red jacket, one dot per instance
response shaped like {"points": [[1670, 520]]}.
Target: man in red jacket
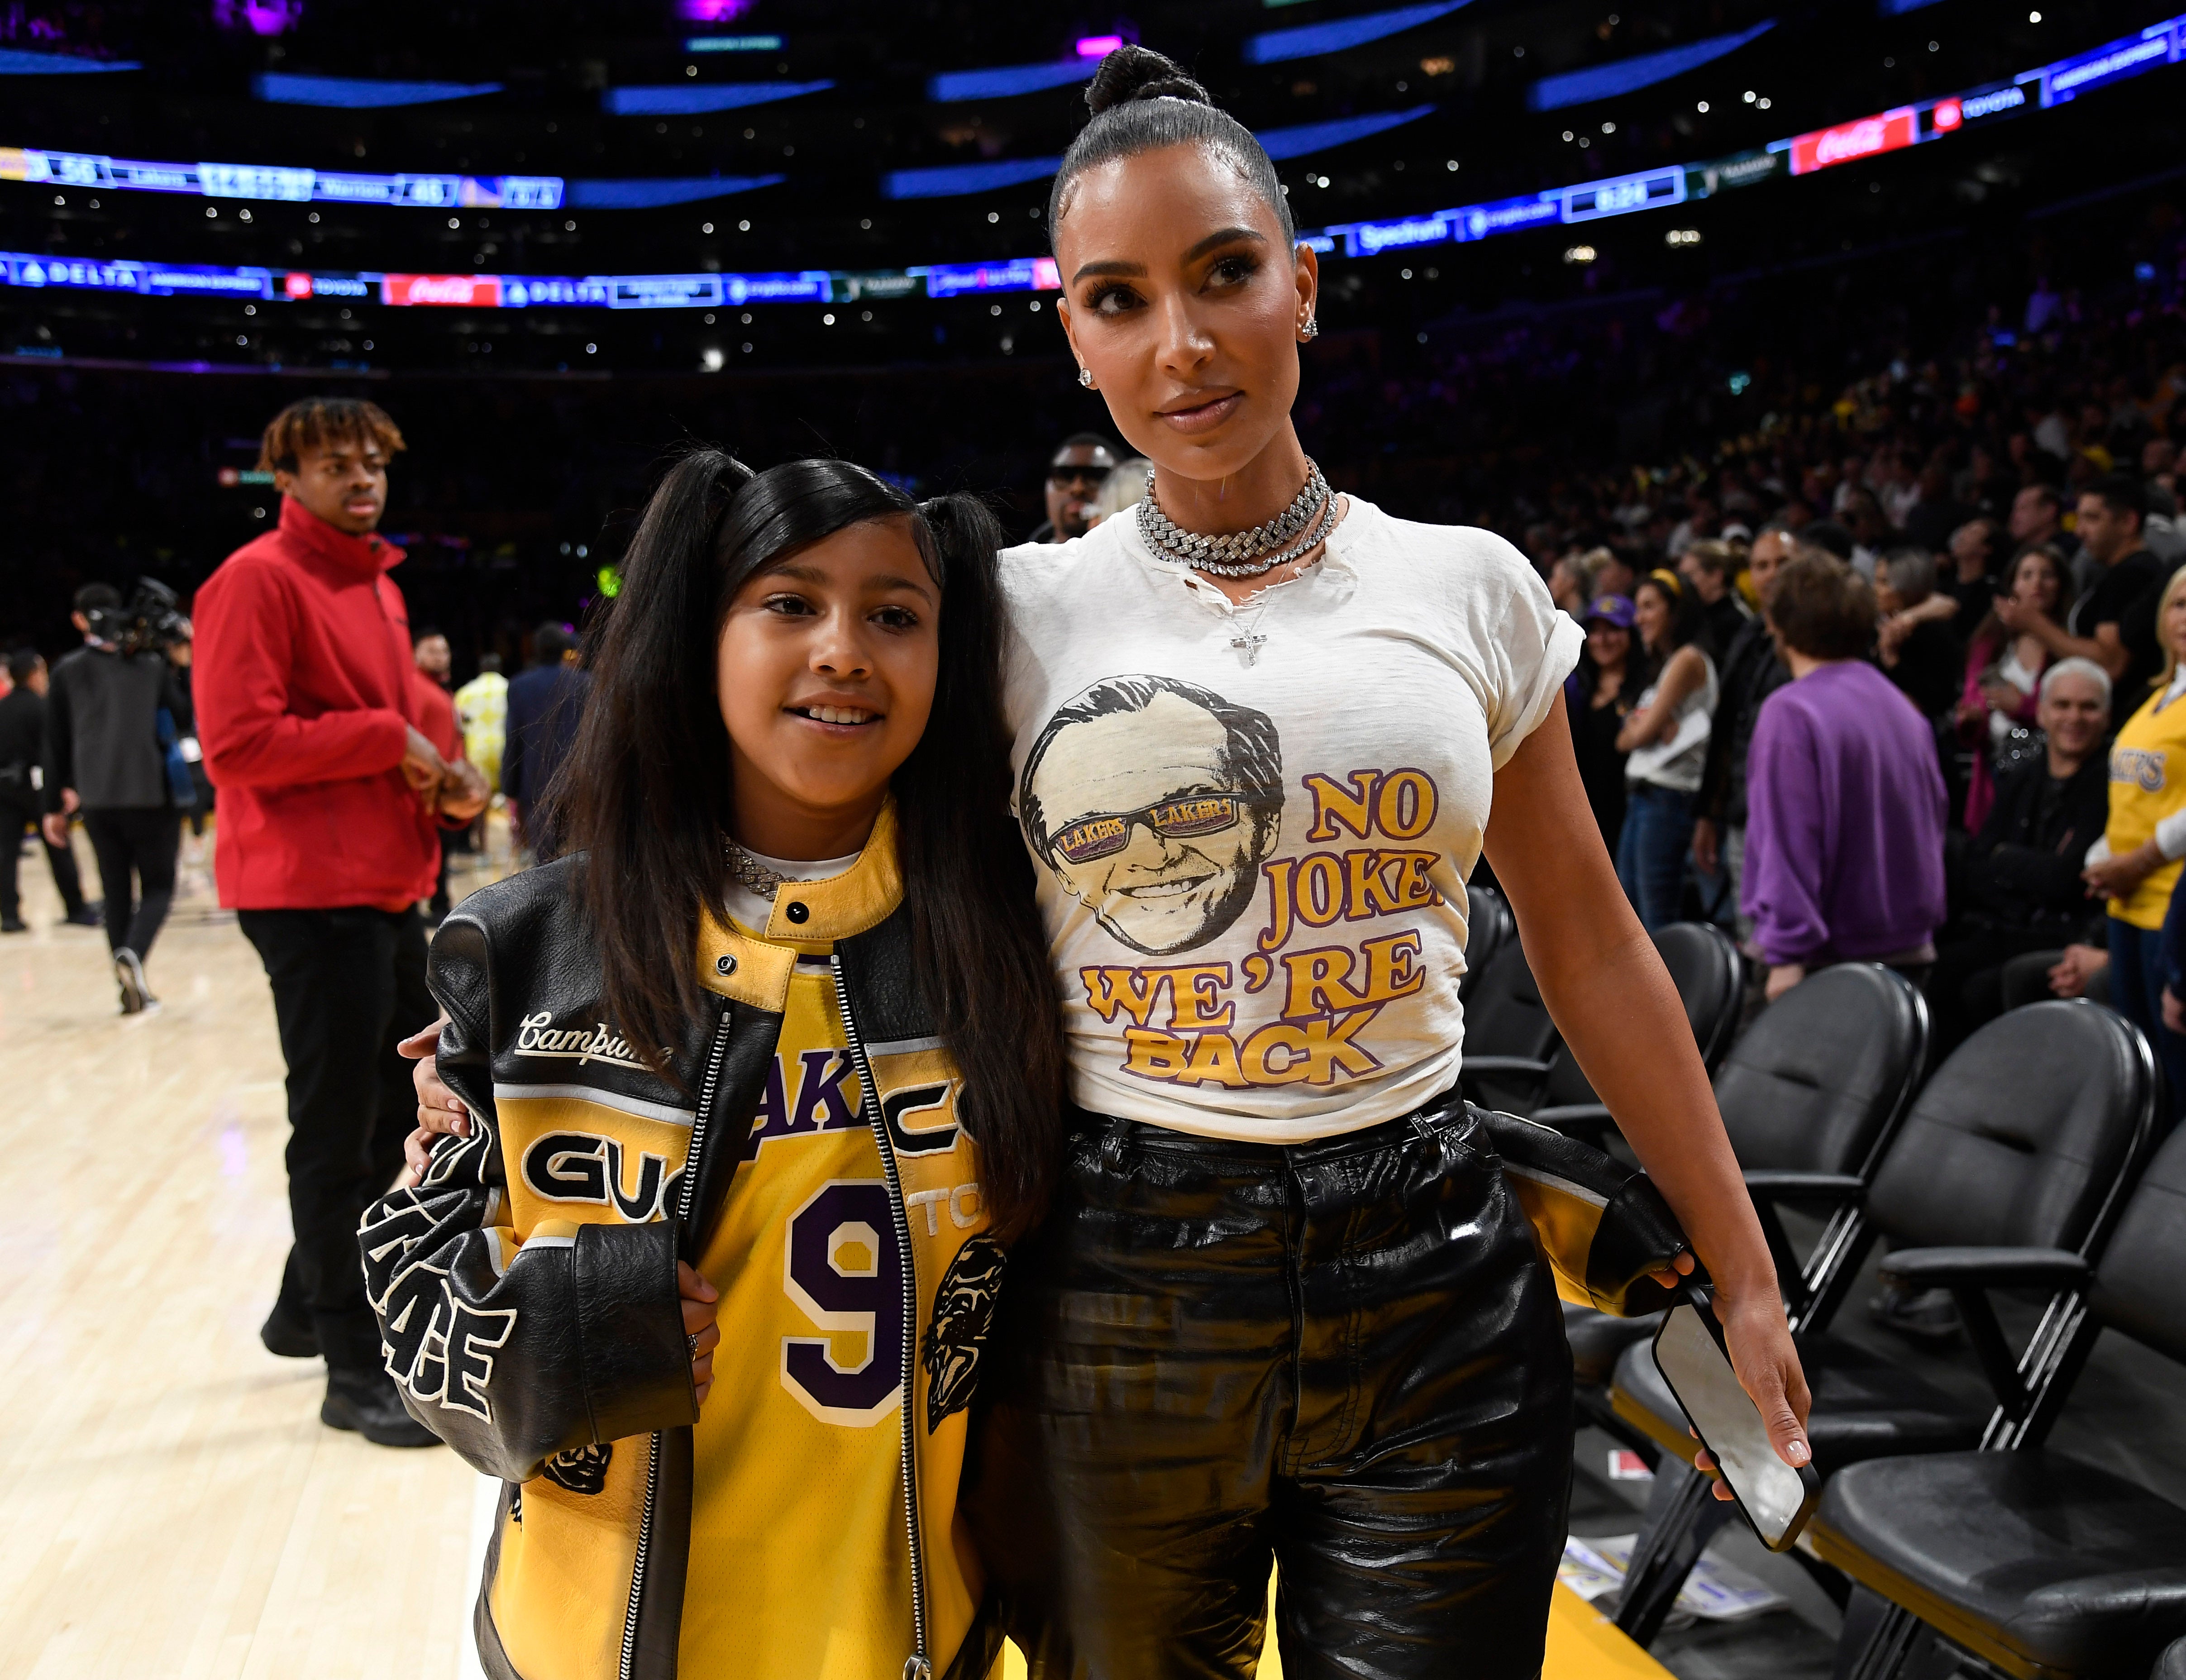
{"points": [[330, 797]]}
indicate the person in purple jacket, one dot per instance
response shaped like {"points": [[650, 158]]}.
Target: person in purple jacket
{"points": [[1844, 803]]}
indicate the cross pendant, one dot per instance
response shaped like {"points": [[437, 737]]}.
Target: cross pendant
{"points": [[1248, 645]]}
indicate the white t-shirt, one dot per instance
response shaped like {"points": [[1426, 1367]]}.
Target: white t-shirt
{"points": [[1253, 824]]}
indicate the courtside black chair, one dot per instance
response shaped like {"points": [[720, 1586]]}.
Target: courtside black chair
{"points": [[1704, 966], [1810, 1097], [1523, 1066], [2025, 1138], [1488, 927], [1508, 1035], [2046, 1566]]}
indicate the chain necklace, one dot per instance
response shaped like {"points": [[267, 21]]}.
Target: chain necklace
{"points": [[1243, 554], [750, 871]]}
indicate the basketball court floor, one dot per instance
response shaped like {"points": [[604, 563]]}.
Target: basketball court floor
{"points": [[170, 1504]]}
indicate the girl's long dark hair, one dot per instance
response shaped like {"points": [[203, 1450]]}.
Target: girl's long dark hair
{"points": [[645, 792]]}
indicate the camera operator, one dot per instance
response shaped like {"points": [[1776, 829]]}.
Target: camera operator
{"points": [[22, 778], [105, 757], [331, 794]]}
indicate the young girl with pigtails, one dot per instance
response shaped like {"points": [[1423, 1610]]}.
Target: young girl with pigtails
{"points": [[755, 1084]]}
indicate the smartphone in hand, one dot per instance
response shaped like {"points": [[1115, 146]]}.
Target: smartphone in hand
{"points": [[1775, 1498]]}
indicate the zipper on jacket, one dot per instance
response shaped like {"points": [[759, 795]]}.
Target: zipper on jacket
{"points": [[919, 1664], [638, 1568], [698, 1119]]}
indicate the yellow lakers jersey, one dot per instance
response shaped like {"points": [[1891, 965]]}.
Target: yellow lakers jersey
{"points": [[2148, 783], [798, 1565]]}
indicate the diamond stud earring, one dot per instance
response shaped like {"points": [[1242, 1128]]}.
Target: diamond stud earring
{"points": [[1085, 378], [1311, 330]]}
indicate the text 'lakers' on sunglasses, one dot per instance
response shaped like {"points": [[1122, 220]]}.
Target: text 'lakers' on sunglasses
{"points": [[1099, 836]]}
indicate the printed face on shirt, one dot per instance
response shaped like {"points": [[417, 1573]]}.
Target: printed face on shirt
{"points": [[1155, 802]]}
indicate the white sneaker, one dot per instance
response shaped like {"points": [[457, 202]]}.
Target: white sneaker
{"points": [[137, 997]]}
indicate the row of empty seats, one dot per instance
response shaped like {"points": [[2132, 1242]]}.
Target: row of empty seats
{"points": [[2028, 1161]]}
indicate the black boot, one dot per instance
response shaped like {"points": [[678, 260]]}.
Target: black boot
{"points": [[366, 1402], [289, 1330]]}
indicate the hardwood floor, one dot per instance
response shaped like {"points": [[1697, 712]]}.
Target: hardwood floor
{"points": [[169, 1503]]}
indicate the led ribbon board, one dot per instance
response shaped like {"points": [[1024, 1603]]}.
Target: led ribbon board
{"points": [[1903, 126], [272, 184]]}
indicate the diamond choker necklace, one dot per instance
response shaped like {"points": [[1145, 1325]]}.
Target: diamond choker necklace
{"points": [[1243, 554], [750, 871]]}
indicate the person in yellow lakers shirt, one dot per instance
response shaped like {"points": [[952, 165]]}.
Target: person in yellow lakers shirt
{"points": [[482, 709], [2137, 862], [756, 1085]]}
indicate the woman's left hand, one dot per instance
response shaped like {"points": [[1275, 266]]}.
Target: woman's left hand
{"points": [[1768, 1370]]}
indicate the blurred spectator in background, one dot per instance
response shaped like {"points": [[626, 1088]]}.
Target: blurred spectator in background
{"points": [[2136, 864], [1712, 568], [1923, 656], [1666, 738], [1871, 533], [1938, 512], [1567, 585], [1599, 694], [1075, 476], [544, 703], [464, 793], [1844, 803], [1971, 578], [330, 798], [2037, 515], [2159, 529], [428, 650], [1751, 672], [1607, 573], [2002, 673], [2019, 884], [22, 779], [1829, 537], [2159, 464], [1125, 488], [482, 710], [2112, 624], [105, 756]]}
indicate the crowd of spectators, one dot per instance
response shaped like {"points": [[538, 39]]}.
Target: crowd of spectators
{"points": [[1994, 480]]}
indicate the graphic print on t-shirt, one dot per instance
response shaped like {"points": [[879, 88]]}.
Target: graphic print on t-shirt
{"points": [[1155, 801]]}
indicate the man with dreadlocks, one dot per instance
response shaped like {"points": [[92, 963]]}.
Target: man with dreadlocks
{"points": [[330, 796]]}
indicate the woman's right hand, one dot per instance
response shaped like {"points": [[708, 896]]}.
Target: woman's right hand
{"points": [[439, 1109], [702, 1303]]}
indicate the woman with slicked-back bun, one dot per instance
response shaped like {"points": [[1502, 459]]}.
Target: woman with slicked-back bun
{"points": [[1287, 1306]]}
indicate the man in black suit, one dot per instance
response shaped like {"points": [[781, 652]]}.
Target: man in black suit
{"points": [[544, 704], [22, 733]]}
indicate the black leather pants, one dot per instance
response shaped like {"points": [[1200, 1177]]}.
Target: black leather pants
{"points": [[1344, 1358]]}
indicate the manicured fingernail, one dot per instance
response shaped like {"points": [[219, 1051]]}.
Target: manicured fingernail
{"points": [[1798, 1453], [456, 1105]]}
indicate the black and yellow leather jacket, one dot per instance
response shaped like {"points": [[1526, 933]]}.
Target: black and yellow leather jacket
{"points": [[810, 1164]]}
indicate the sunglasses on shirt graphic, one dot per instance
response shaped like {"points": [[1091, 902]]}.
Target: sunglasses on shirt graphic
{"points": [[1093, 837]]}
